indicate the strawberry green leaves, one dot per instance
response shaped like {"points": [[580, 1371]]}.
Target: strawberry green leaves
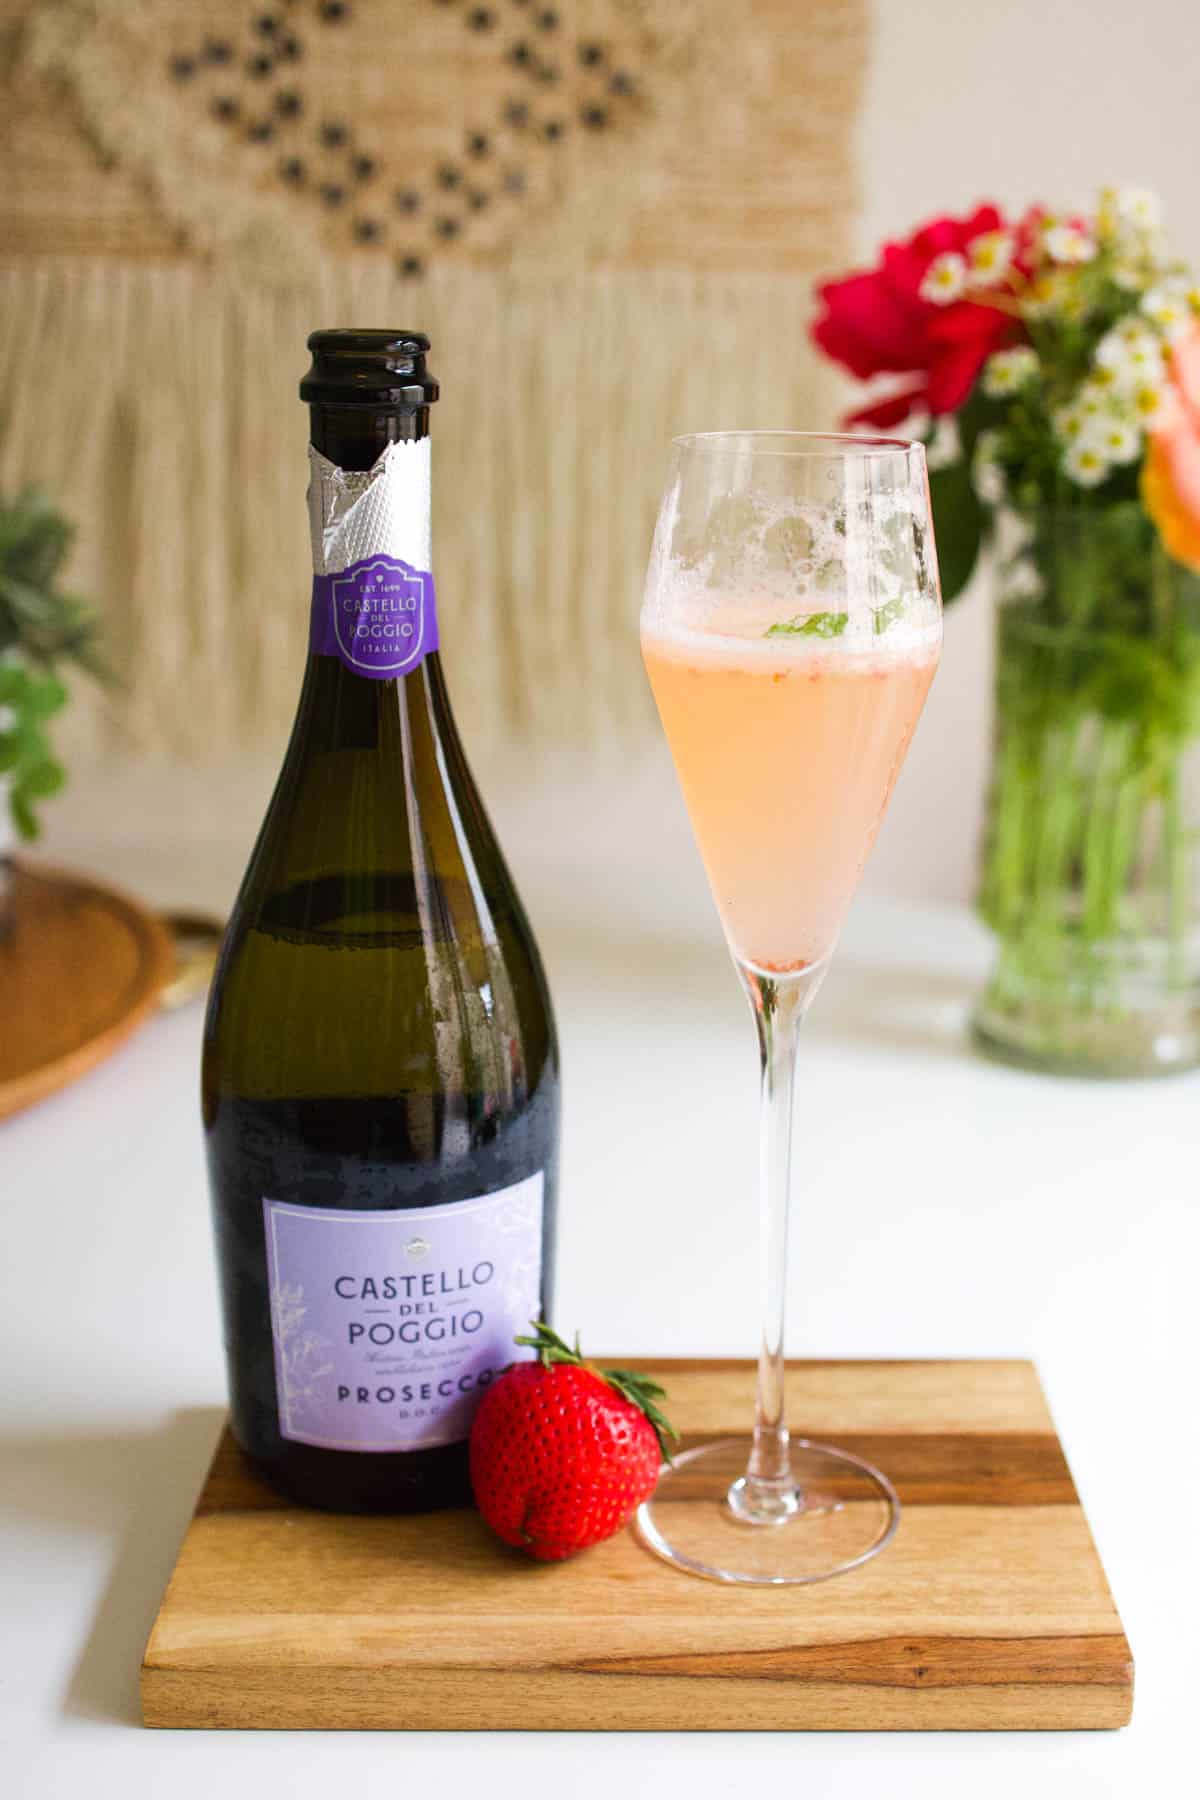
{"points": [[638, 1389]]}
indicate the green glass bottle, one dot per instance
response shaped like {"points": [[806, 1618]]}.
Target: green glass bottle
{"points": [[380, 1080]]}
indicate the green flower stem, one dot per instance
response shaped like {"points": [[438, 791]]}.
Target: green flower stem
{"points": [[1088, 855], [1177, 851]]}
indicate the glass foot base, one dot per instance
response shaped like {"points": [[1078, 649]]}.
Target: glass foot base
{"points": [[841, 1512]]}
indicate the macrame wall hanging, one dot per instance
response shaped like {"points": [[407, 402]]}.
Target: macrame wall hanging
{"points": [[607, 214]]}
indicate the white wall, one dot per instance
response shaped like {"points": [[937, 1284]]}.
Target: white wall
{"points": [[1012, 101]]}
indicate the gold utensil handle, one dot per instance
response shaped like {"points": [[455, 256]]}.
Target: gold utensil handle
{"points": [[197, 939]]}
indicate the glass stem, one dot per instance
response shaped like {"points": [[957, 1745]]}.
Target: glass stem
{"points": [[767, 1493]]}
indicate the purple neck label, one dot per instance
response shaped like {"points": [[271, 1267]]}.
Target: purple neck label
{"points": [[378, 617]]}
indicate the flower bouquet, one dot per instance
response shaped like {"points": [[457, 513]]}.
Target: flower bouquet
{"points": [[1054, 365]]}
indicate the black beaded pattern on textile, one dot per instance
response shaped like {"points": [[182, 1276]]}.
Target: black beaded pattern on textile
{"points": [[329, 164]]}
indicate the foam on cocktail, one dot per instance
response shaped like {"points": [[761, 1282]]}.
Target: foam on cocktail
{"points": [[768, 573]]}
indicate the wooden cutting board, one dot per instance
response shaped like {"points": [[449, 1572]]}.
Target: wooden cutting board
{"points": [[81, 966], [989, 1611]]}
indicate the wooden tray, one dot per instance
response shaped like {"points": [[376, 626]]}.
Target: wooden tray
{"points": [[989, 1611], [80, 967]]}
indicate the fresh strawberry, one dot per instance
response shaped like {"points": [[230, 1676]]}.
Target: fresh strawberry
{"points": [[562, 1453]]}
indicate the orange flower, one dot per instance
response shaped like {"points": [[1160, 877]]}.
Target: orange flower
{"points": [[1171, 472]]}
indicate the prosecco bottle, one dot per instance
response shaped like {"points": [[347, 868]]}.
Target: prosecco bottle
{"points": [[380, 1079]]}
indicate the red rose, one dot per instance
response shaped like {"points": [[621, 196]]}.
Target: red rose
{"points": [[884, 321]]}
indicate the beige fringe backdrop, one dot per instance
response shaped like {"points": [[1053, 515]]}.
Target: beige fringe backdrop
{"points": [[653, 213]]}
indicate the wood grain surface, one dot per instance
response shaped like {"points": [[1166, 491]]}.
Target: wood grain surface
{"points": [[80, 967], [990, 1611]]}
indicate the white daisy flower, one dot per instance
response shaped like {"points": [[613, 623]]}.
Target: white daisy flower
{"points": [[945, 279], [1130, 207], [1129, 356], [1178, 285], [1169, 309], [1008, 370], [1021, 579], [1134, 334], [1068, 243], [1146, 362], [1154, 405], [989, 483], [1116, 439], [1069, 423], [1093, 399], [1085, 465], [945, 446], [8, 718], [987, 476], [989, 258], [1092, 402], [1106, 378]]}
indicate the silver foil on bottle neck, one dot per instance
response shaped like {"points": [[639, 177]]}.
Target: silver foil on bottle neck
{"points": [[380, 511]]}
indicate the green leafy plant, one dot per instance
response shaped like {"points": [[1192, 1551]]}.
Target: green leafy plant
{"points": [[42, 631]]}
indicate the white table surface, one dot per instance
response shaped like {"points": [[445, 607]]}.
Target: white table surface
{"points": [[944, 1207]]}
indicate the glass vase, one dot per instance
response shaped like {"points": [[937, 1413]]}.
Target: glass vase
{"points": [[1090, 871]]}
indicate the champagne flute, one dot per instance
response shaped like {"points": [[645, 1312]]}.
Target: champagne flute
{"points": [[791, 627]]}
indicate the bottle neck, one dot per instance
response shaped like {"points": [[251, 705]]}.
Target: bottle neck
{"points": [[355, 437], [374, 608]]}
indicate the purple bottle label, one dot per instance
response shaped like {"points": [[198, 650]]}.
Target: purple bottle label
{"points": [[379, 617], [388, 1326]]}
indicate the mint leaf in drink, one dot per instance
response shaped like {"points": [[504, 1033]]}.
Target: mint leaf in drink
{"points": [[888, 614], [822, 625]]}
